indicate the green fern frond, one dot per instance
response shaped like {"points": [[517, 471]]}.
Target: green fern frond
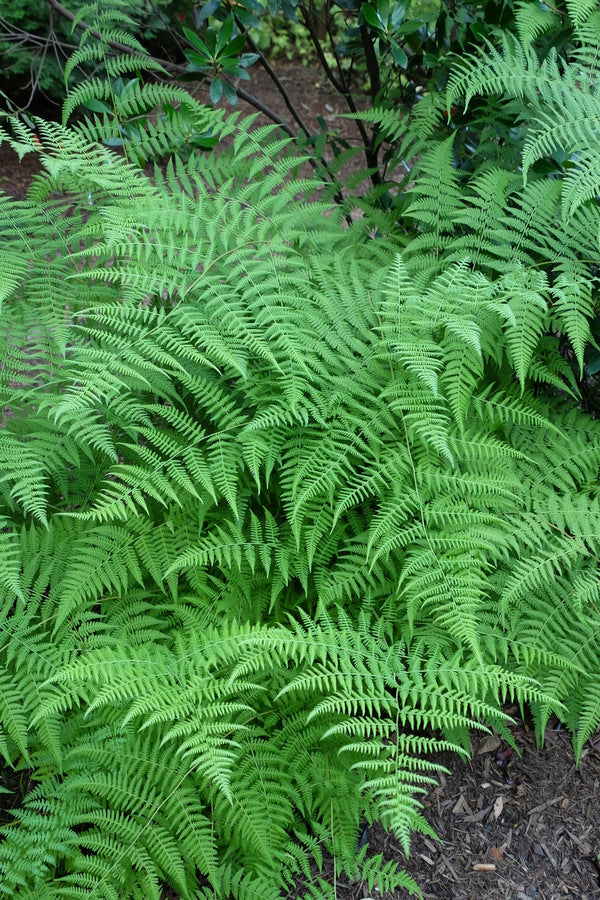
{"points": [[581, 10], [514, 70], [525, 307], [438, 199], [276, 499], [533, 21], [387, 877]]}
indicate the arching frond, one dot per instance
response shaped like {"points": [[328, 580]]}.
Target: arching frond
{"points": [[287, 505]]}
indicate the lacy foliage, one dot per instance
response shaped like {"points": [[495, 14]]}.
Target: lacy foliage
{"points": [[287, 505]]}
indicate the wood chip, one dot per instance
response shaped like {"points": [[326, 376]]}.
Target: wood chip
{"points": [[553, 862], [461, 805], [450, 869], [430, 845], [478, 816], [543, 806], [484, 867]]}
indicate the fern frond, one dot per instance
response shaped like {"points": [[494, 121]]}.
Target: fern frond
{"points": [[581, 10], [532, 21], [438, 196], [526, 308], [275, 500], [513, 70]]}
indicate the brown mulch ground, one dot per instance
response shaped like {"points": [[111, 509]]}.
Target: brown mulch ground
{"points": [[15, 178], [512, 827]]}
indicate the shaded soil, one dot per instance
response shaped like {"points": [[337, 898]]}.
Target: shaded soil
{"points": [[315, 101], [15, 177], [512, 826]]}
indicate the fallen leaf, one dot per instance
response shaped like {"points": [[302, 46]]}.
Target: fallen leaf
{"points": [[503, 756], [498, 806], [496, 853], [491, 742]]}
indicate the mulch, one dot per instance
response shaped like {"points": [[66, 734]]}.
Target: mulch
{"points": [[16, 177], [532, 819], [512, 826]]}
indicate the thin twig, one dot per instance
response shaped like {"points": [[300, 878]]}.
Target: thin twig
{"points": [[317, 164], [338, 85], [275, 79], [263, 108], [375, 85], [342, 88], [245, 95]]}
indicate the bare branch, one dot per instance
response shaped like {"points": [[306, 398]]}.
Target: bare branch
{"points": [[276, 81], [263, 108]]}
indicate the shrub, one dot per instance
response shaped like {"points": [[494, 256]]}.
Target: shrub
{"points": [[376, 54]]}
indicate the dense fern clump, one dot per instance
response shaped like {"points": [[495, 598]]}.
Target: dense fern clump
{"points": [[287, 504]]}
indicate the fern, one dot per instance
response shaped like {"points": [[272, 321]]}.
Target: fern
{"points": [[287, 505]]}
